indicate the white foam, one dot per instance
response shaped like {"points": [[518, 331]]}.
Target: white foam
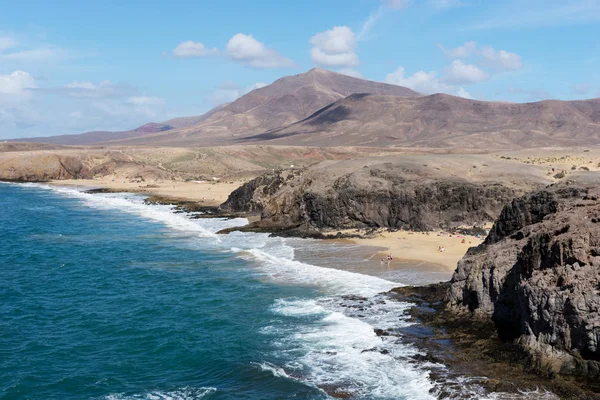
{"points": [[329, 280], [273, 369], [185, 393], [343, 353], [134, 204]]}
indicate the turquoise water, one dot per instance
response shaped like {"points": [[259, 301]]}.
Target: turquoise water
{"points": [[105, 297]]}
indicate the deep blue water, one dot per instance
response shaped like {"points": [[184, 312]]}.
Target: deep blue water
{"points": [[104, 297]]}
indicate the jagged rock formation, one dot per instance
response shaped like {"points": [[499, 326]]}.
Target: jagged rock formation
{"points": [[537, 276], [370, 193]]}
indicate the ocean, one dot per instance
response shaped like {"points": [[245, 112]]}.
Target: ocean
{"points": [[105, 297]]}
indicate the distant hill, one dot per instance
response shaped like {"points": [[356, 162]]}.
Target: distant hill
{"points": [[441, 120], [99, 136], [324, 108], [283, 102]]}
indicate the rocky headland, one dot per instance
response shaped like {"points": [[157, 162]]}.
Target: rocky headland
{"points": [[534, 285], [418, 193]]}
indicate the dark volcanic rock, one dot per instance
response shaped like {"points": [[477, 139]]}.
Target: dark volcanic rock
{"points": [[374, 196], [252, 196], [537, 276]]}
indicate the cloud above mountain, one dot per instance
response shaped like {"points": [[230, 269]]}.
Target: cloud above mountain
{"points": [[241, 48], [335, 47], [246, 50], [424, 82]]}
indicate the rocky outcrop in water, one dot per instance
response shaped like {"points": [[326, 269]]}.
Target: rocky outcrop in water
{"points": [[370, 196], [537, 277]]}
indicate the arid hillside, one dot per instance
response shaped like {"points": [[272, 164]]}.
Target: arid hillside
{"points": [[443, 121]]}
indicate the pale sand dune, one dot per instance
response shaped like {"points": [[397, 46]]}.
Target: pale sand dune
{"points": [[207, 193], [420, 247]]}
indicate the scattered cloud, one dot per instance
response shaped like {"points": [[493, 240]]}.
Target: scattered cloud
{"points": [[82, 89], [249, 51], [466, 50], [229, 91], [16, 84], [190, 48], [461, 73], [334, 48], [488, 56], [369, 24], [350, 72], [581, 89], [11, 50], [424, 82], [241, 48], [145, 100], [501, 59]]}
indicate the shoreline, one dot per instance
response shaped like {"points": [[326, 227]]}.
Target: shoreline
{"points": [[410, 250], [208, 193], [417, 246]]}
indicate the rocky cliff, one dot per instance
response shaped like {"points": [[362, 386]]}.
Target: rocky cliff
{"points": [[372, 194], [537, 276]]}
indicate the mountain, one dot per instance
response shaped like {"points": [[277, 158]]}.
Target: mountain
{"points": [[324, 108], [283, 102], [99, 136], [441, 120]]}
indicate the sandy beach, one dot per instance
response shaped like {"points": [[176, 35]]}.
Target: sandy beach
{"points": [[207, 193], [420, 247]]}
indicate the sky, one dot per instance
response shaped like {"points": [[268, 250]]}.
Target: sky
{"points": [[75, 66]]}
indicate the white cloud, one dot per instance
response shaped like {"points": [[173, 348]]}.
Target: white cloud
{"points": [[192, 49], [461, 73], [29, 55], [249, 51], [424, 82], [501, 59], [334, 48], [145, 100], [369, 24], [16, 84], [229, 91], [466, 50], [463, 93], [350, 72], [104, 89]]}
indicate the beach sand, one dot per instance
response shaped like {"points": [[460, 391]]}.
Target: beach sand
{"points": [[207, 193], [420, 247]]}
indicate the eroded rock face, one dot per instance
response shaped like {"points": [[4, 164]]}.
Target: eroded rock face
{"points": [[369, 197], [537, 276]]}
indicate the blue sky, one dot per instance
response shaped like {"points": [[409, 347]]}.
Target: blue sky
{"points": [[73, 66]]}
